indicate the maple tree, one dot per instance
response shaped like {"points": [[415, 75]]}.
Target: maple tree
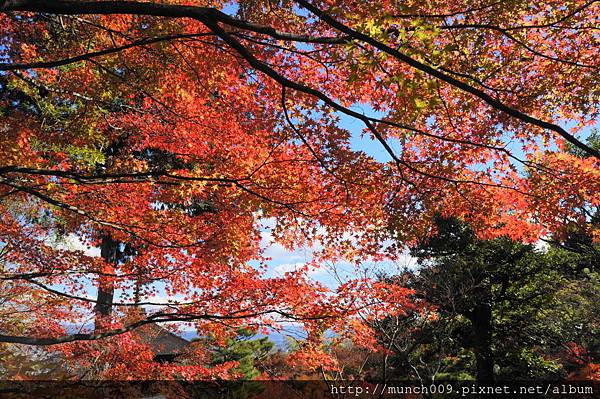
{"points": [[166, 133]]}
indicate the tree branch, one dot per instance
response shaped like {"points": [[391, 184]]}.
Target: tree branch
{"points": [[494, 103], [87, 56]]}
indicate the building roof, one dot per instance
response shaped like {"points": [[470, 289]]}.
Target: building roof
{"points": [[162, 341]]}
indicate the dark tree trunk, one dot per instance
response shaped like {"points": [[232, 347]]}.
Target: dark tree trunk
{"points": [[109, 250], [481, 317]]}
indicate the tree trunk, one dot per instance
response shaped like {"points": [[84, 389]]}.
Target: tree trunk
{"points": [[481, 318], [109, 250]]}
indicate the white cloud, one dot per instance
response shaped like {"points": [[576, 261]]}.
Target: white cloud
{"points": [[73, 243], [278, 252], [542, 246], [293, 267]]}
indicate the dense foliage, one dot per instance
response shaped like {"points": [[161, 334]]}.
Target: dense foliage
{"points": [[170, 135]]}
